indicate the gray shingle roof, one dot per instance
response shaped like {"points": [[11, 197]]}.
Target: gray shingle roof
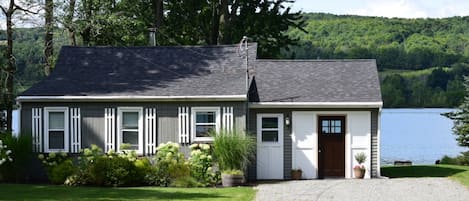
{"points": [[317, 81], [146, 71]]}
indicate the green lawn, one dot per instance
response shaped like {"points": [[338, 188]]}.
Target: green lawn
{"points": [[456, 172], [51, 193]]}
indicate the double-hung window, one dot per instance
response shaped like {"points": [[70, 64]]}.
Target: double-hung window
{"points": [[130, 136], [204, 121], [56, 129]]}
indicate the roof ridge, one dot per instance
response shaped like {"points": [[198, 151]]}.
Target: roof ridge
{"points": [[153, 47], [316, 60]]}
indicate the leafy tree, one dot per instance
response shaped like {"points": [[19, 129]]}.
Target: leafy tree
{"points": [[461, 118]]}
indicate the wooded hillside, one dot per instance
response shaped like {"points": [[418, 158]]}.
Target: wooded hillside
{"points": [[421, 61]]}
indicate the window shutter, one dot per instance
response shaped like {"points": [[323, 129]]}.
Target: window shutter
{"points": [[183, 125], [36, 129], [109, 129], [75, 130], [150, 131], [227, 119]]}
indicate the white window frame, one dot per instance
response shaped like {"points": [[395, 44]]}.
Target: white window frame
{"points": [[194, 111], [279, 128], [46, 129], [120, 111]]}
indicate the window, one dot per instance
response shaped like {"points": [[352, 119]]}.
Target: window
{"points": [[130, 136], [205, 120], [56, 129], [269, 129], [332, 125]]}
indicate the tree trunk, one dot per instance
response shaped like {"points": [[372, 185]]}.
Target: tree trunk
{"points": [[69, 23], [86, 32], [158, 21], [48, 44], [10, 69], [215, 23]]}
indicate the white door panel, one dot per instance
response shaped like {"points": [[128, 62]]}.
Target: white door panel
{"points": [[270, 146], [304, 138]]}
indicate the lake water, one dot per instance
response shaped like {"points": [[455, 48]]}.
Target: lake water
{"points": [[419, 135]]}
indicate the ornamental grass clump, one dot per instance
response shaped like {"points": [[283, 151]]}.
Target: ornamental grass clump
{"points": [[232, 150], [360, 158], [15, 167]]}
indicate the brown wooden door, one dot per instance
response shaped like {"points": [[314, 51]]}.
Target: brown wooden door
{"points": [[331, 146]]}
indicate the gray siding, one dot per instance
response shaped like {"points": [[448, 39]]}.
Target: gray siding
{"points": [[287, 147], [92, 118], [374, 143]]}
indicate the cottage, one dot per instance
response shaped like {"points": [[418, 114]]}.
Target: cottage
{"points": [[309, 114]]}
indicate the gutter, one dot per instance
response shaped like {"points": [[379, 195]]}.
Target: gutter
{"points": [[22, 99], [316, 105]]}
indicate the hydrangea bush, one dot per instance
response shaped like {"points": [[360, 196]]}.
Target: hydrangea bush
{"points": [[201, 163], [58, 165], [5, 153], [171, 166]]}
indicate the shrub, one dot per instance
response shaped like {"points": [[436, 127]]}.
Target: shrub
{"points": [[111, 169], [5, 153], [170, 165], [20, 153], [114, 171], [58, 166], [60, 172], [462, 159], [201, 163], [448, 160], [233, 150]]}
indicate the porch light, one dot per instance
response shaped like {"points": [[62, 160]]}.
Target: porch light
{"points": [[287, 121]]}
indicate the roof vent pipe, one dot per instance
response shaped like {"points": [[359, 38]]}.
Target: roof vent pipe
{"points": [[152, 36]]}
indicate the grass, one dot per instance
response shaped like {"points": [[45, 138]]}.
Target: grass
{"points": [[51, 193], [456, 172]]}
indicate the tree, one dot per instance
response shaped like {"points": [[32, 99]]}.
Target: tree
{"points": [[10, 68], [49, 36], [460, 118]]}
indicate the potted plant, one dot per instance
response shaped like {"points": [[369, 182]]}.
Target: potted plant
{"points": [[232, 150], [360, 169], [296, 174]]}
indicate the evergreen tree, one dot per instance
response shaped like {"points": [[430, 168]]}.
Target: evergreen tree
{"points": [[461, 118]]}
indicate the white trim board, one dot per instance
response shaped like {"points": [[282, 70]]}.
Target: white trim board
{"points": [[130, 98], [316, 105]]}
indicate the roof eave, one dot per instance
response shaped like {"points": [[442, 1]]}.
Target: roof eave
{"points": [[318, 105], [23, 99]]}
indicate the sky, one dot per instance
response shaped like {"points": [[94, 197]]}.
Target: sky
{"points": [[381, 8], [387, 8]]}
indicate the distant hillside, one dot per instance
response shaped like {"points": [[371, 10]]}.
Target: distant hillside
{"points": [[399, 44]]}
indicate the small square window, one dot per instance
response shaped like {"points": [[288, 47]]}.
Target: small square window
{"points": [[332, 125]]}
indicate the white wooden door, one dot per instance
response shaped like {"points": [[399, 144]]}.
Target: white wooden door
{"points": [[270, 146], [304, 138]]}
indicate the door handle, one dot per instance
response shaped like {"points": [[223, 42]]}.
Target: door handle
{"points": [[319, 150]]}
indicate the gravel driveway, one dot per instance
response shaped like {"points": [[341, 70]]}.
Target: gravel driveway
{"points": [[407, 189]]}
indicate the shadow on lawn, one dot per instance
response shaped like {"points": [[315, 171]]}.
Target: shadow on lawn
{"points": [[419, 171], [45, 192]]}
